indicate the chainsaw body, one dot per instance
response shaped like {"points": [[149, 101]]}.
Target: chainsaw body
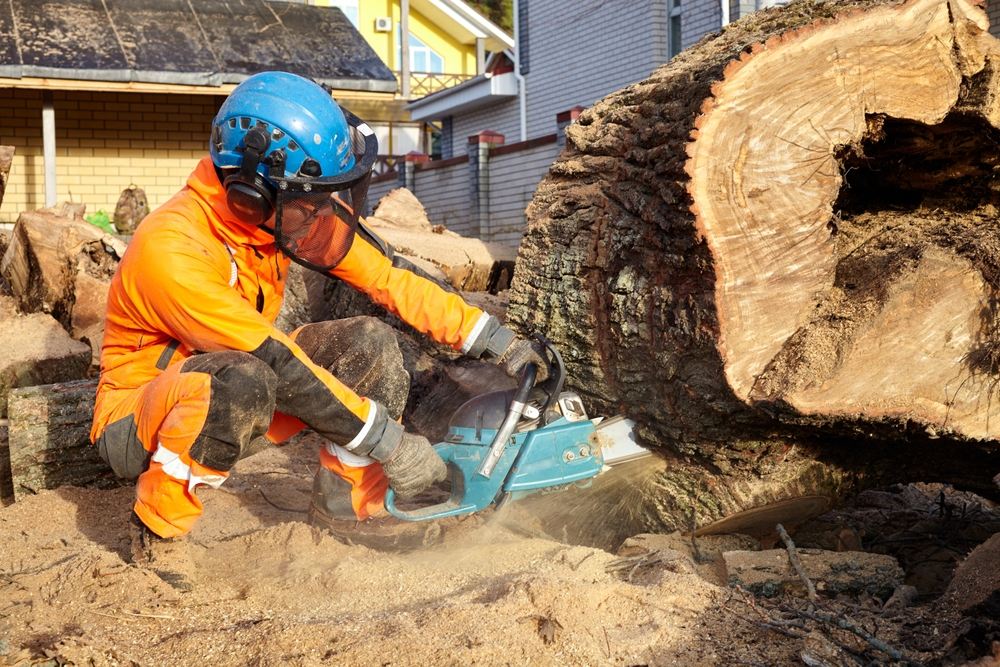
{"points": [[507, 444]]}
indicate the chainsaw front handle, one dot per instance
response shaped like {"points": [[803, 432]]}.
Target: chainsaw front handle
{"points": [[510, 422]]}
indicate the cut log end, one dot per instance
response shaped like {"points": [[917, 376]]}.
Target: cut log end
{"points": [[787, 234]]}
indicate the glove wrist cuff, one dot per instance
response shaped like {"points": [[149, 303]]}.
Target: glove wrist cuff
{"points": [[498, 344], [388, 444]]}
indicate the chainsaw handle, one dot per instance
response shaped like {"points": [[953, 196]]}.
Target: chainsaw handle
{"points": [[554, 385], [510, 421]]}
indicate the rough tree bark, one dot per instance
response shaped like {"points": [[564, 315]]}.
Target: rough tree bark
{"points": [[779, 255]]}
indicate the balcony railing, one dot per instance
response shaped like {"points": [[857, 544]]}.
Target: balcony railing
{"points": [[386, 163], [423, 84]]}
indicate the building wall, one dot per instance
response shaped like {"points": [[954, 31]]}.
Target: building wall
{"points": [[582, 51], [563, 74], [699, 18], [993, 12], [502, 118], [104, 143], [458, 58], [514, 177], [445, 194]]}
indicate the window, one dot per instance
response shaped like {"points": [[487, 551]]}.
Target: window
{"points": [[674, 38], [350, 9], [422, 57]]}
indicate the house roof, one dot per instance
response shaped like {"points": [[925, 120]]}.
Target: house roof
{"points": [[194, 43], [464, 23]]}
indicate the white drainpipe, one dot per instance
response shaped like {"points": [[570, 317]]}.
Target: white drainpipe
{"points": [[725, 12], [522, 93], [49, 147]]}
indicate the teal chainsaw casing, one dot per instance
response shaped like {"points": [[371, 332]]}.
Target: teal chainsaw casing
{"points": [[505, 444], [560, 453]]}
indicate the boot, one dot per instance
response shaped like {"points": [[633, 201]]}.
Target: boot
{"points": [[331, 511], [167, 558]]}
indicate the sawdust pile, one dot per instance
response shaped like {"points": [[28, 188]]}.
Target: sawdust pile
{"points": [[499, 591]]}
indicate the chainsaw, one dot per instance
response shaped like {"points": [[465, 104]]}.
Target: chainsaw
{"points": [[508, 444]]}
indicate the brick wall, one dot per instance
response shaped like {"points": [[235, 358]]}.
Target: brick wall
{"points": [[993, 12], [514, 177], [699, 17], [504, 118], [104, 142], [445, 194]]}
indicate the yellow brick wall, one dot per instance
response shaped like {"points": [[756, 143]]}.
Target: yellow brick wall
{"points": [[104, 142]]}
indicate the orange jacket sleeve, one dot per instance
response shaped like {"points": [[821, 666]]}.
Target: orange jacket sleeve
{"points": [[418, 301]]}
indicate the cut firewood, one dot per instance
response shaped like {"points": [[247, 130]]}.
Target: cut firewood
{"points": [[62, 266], [6, 157], [778, 255], [50, 438], [34, 349], [469, 264]]}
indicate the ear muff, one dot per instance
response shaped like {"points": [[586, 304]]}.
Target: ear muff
{"points": [[252, 202], [248, 194]]}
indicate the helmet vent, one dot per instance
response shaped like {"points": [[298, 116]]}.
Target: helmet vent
{"points": [[277, 134], [232, 123], [310, 167], [262, 125], [244, 123], [292, 146]]}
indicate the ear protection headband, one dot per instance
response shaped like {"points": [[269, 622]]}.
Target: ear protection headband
{"points": [[248, 194]]}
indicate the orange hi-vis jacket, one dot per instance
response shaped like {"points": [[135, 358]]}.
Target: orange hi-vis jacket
{"points": [[195, 279]]}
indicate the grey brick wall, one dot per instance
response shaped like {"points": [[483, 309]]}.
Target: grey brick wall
{"points": [[376, 191], [583, 50], [503, 118], [444, 193], [698, 18], [993, 12], [514, 177]]}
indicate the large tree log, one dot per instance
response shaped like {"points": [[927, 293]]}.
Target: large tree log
{"points": [[778, 254]]}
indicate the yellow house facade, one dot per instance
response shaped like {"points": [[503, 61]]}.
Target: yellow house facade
{"points": [[449, 42], [131, 101]]}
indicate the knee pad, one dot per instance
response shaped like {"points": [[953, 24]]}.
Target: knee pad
{"points": [[121, 449], [240, 409]]}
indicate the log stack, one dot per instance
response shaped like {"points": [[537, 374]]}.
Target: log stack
{"points": [[778, 254]]}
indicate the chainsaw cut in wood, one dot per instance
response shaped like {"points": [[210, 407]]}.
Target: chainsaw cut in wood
{"points": [[507, 444]]}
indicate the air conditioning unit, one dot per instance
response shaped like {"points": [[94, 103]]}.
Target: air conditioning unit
{"points": [[383, 24]]}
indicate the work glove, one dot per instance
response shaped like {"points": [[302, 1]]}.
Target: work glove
{"points": [[519, 353], [414, 466]]}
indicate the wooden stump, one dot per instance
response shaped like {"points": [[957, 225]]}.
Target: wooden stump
{"points": [[6, 157], [62, 266], [34, 350], [50, 438], [778, 255]]}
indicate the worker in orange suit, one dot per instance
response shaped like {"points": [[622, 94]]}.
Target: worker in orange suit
{"points": [[194, 375]]}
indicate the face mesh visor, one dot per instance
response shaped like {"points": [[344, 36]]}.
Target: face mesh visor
{"points": [[315, 221], [317, 229]]}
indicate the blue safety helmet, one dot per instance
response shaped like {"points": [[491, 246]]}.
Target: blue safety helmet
{"points": [[296, 164]]}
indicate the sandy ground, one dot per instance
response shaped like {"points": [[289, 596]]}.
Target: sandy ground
{"points": [[270, 592]]}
